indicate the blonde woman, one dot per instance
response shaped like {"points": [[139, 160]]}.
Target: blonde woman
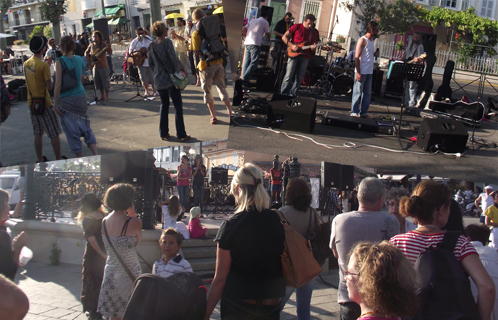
{"points": [[248, 276], [90, 218]]}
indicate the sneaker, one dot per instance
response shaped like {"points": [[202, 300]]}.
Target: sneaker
{"points": [[187, 137], [156, 94]]}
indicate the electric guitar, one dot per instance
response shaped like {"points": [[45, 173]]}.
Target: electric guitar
{"points": [[95, 57], [301, 48], [422, 56], [138, 59]]}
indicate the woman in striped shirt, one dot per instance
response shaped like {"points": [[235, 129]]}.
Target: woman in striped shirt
{"points": [[429, 206]]}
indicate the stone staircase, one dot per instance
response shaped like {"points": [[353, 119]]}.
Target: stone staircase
{"points": [[201, 254]]}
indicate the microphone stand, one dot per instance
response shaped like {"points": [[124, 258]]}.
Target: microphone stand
{"points": [[95, 98], [136, 81]]}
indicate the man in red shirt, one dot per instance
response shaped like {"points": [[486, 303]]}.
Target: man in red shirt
{"points": [[276, 182], [296, 67]]}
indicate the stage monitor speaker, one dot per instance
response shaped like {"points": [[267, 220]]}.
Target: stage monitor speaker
{"points": [[295, 114], [268, 10], [135, 167], [331, 175], [127, 167], [102, 25], [219, 176], [446, 135]]}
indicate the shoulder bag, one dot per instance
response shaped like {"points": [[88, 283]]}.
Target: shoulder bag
{"points": [[319, 238], [37, 106], [69, 79], [298, 264], [125, 267], [179, 78]]}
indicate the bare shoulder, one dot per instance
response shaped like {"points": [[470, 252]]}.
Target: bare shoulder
{"points": [[135, 223]]}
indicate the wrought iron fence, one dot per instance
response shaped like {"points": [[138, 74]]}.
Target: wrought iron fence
{"points": [[488, 65]]}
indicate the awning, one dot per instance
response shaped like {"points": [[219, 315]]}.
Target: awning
{"points": [[117, 21], [89, 25], [110, 11]]}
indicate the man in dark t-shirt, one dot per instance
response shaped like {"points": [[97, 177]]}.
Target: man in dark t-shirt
{"points": [[282, 26], [296, 66], [198, 174]]}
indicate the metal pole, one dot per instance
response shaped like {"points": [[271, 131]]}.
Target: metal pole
{"points": [[155, 11], [29, 202], [148, 218]]}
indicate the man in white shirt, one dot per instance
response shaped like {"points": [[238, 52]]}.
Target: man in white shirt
{"points": [[145, 72], [178, 38], [479, 235], [52, 52], [254, 32]]}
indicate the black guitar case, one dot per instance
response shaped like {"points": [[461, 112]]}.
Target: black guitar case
{"points": [[444, 91], [425, 84]]}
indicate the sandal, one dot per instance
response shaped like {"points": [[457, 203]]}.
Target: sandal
{"points": [[165, 138], [214, 120], [187, 137]]}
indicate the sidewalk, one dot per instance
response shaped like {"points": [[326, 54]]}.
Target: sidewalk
{"points": [[54, 291]]}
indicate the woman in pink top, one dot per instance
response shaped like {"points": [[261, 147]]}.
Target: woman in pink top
{"points": [[382, 281], [429, 206], [184, 174]]}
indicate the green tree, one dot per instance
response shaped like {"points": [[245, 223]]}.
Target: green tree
{"points": [[52, 10], [393, 16], [4, 8], [47, 32], [37, 31]]}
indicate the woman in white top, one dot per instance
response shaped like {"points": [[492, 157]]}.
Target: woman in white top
{"points": [[171, 211]]}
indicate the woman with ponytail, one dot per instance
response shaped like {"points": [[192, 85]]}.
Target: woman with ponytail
{"points": [[429, 206], [248, 276]]}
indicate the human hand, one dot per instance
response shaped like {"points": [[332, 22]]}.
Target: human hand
{"points": [[19, 241], [313, 47], [358, 76], [58, 111], [294, 47]]}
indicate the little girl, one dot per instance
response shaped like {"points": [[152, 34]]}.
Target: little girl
{"points": [[195, 226], [171, 211]]}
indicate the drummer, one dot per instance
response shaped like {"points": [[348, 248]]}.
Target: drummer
{"points": [[282, 26]]}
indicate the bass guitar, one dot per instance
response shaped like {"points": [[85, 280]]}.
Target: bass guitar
{"points": [[139, 56], [95, 57], [302, 47]]}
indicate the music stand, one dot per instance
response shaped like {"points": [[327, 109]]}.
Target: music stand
{"points": [[407, 72]]}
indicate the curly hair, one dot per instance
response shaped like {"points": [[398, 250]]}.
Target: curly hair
{"points": [[97, 33], [396, 194], [298, 194], [119, 197], [427, 197], [387, 281], [171, 232], [159, 28]]}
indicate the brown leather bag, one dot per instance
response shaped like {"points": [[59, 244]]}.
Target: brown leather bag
{"points": [[298, 264]]}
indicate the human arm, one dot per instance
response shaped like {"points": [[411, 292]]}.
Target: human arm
{"points": [[332, 240], [223, 264], [109, 47], [359, 48], [93, 242], [244, 32], [489, 223], [88, 51], [268, 36], [17, 244], [58, 86], [47, 77], [286, 38], [485, 285], [477, 203], [14, 304], [135, 225]]}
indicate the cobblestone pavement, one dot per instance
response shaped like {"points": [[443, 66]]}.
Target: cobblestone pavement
{"points": [[54, 292]]}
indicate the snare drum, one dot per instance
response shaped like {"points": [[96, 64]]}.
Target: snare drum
{"points": [[338, 65]]}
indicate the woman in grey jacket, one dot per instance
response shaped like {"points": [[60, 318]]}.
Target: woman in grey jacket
{"points": [[163, 61]]}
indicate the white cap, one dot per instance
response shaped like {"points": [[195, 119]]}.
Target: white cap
{"points": [[189, 18], [488, 187]]}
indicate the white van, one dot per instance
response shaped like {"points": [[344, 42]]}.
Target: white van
{"points": [[9, 182]]}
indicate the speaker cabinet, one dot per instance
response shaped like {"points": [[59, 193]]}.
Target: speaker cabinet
{"points": [[442, 134], [102, 25], [127, 167], [295, 114], [337, 176], [347, 178], [377, 77], [268, 10], [219, 176]]}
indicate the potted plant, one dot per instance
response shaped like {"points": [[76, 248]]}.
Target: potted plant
{"points": [[341, 39]]}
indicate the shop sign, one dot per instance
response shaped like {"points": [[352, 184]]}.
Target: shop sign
{"points": [[201, 2]]}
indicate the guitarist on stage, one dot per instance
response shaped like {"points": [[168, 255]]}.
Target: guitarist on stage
{"points": [[101, 78], [296, 67], [414, 50], [139, 47]]}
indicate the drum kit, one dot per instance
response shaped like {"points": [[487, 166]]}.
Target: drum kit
{"points": [[338, 78]]}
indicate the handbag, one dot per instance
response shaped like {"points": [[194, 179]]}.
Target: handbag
{"points": [[123, 264], [69, 79], [298, 264], [37, 106], [319, 238], [179, 78]]}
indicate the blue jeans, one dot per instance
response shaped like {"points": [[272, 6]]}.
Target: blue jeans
{"points": [[183, 195], [198, 195], [362, 92], [176, 97], [411, 94], [296, 68], [251, 59], [303, 299], [349, 311]]}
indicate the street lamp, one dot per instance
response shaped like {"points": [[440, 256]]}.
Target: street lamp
{"points": [[191, 152]]}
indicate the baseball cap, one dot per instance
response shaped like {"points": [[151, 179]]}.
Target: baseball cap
{"points": [[37, 44], [488, 187]]}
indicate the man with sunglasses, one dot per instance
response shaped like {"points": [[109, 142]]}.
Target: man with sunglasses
{"points": [[145, 72], [366, 224], [364, 63]]}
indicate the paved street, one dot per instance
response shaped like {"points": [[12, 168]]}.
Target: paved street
{"points": [[118, 126], [54, 291]]}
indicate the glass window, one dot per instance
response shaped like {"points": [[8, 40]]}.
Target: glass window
{"points": [[176, 154], [235, 159], [7, 183], [465, 5], [451, 3], [223, 158], [214, 160]]}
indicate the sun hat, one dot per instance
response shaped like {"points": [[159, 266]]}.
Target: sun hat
{"points": [[194, 212]]}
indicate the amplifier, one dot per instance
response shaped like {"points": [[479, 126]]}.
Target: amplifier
{"points": [[288, 113], [363, 124], [442, 134], [219, 176], [22, 93]]}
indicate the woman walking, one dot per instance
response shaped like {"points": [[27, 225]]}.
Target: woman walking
{"points": [[122, 232], [90, 218], [248, 276], [163, 61], [71, 105]]}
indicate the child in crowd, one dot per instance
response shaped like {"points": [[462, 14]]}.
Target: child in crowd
{"points": [[195, 226], [171, 212], [171, 262]]}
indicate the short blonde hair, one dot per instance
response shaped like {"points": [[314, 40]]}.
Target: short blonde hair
{"points": [[251, 191], [158, 28], [387, 280], [198, 14]]}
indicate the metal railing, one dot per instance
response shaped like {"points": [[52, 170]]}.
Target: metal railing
{"points": [[488, 65]]}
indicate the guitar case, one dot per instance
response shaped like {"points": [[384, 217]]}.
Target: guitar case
{"points": [[444, 91], [460, 110]]}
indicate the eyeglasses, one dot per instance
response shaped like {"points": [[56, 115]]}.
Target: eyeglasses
{"points": [[349, 275]]}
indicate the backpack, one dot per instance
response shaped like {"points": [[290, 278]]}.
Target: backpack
{"points": [[444, 286], [209, 30], [181, 296]]}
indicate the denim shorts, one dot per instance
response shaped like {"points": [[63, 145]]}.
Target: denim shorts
{"points": [[75, 127]]}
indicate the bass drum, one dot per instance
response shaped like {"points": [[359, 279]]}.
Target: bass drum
{"points": [[343, 84]]}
